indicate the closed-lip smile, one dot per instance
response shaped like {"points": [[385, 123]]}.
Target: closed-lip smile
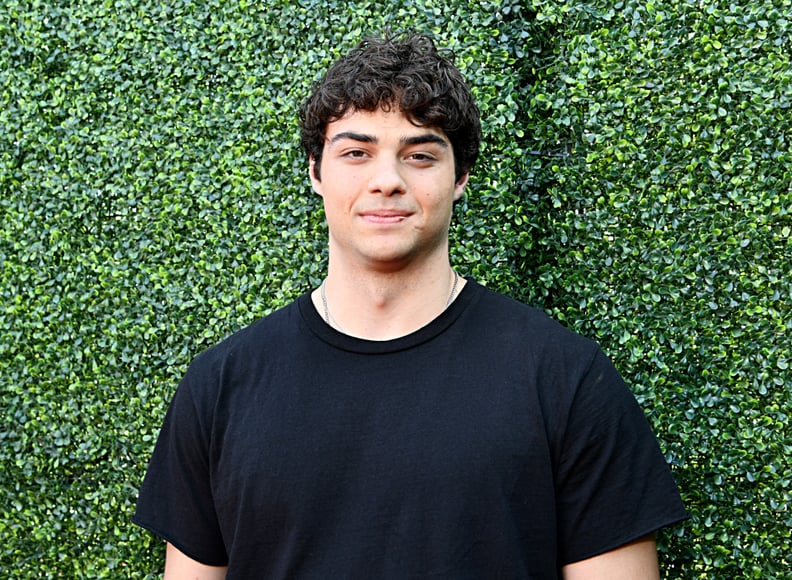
{"points": [[385, 216]]}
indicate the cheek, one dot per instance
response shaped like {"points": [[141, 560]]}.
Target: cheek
{"points": [[336, 204], [437, 201]]}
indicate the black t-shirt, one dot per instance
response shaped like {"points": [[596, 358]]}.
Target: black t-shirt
{"points": [[492, 443]]}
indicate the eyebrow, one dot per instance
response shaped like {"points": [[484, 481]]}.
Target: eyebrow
{"points": [[414, 140], [425, 138]]}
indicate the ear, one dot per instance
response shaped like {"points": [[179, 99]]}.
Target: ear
{"points": [[459, 186], [316, 183]]}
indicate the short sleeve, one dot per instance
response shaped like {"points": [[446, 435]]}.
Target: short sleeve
{"points": [[175, 500], [613, 483]]}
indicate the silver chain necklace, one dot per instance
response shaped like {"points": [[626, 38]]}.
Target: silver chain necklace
{"points": [[323, 294]]}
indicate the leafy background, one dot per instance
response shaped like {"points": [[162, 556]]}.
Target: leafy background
{"points": [[635, 182]]}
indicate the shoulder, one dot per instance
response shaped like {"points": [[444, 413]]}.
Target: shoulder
{"points": [[523, 345], [527, 326], [258, 340], [234, 366]]}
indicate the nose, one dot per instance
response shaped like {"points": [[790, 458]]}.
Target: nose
{"points": [[387, 178]]}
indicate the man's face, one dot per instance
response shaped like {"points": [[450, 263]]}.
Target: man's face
{"points": [[388, 188]]}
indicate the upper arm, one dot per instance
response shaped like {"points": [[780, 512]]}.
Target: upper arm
{"points": [[634, 561], [179, 566]]}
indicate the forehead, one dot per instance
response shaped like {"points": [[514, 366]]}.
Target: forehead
{"points": [[379, 124]]}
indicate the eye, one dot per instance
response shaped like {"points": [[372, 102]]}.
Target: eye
{"points": [[421, 157], [354, 154]]}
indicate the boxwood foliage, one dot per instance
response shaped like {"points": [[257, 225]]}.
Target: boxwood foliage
{"points": [[635, 182]]}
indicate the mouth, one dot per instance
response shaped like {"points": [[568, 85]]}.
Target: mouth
{"points": [[384, 216]]}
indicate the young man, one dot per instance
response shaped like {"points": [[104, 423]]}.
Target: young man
{"points": [[401, 421]]}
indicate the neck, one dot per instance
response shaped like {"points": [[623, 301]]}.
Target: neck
{"points": [[386, 305]]}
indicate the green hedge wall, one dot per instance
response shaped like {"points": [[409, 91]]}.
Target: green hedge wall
{"points": [[636, 182]]}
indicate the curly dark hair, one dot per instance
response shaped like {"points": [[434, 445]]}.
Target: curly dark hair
{"points": [[386, 73]]}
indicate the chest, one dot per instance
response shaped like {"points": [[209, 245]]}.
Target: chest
{"points": [[424, 461], [378, 419]]}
